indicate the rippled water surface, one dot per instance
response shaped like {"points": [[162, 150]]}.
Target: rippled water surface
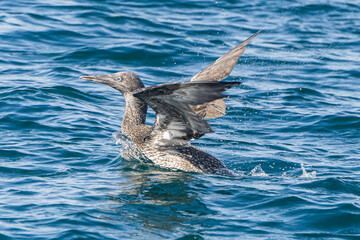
{"points": [[292, 127]]}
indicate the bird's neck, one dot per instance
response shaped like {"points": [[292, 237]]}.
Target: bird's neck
{"points": [[135, 114]]}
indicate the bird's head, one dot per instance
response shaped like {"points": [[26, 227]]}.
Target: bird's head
{"points": [[125, 82]]}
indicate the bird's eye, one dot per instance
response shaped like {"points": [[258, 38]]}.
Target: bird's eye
{"points": [[119, 79]]}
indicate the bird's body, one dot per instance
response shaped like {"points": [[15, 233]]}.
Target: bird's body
{"points": [[180, 111]]}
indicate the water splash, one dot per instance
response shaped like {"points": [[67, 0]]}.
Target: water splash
{"points": [[128, 150], [306, 174], [258, 172]]}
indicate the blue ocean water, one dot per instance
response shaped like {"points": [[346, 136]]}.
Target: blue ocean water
{"points": [[292, 127]]}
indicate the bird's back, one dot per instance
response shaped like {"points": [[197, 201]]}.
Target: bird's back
{"points": [[186, 158]]}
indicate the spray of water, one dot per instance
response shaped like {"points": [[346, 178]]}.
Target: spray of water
{"points": [[306, 174], [258, 172], [128, 150]]}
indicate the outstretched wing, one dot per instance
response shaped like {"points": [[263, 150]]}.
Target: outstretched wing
{"points": [[176, 123], [217, 71]]}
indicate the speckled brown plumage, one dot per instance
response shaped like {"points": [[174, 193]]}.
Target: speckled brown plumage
{"points": [[180, 111]]}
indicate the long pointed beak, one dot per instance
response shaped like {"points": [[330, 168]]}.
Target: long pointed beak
{"points": [[105, 79], [93, 78]]}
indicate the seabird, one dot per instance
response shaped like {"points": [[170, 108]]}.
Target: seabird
{"points": [[180, 111]]}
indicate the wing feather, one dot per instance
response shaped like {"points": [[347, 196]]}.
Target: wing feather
{"points": [[217, 71], [176, 123]]}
